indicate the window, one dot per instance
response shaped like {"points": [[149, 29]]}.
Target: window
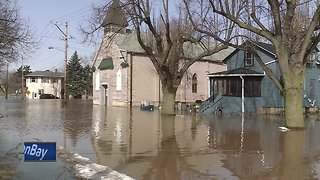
{"points": [[233, 87], [248, 59], [312, 56], [44, 80], [54, 80], [123, 55], [252, 87], [40, 91], [220, 86], [119, 78], [33, 79], [194, 83], [98, 81]]}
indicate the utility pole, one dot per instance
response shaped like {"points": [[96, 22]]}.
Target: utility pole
{"points": [[65, 95], [22, 80], [7, 81]]}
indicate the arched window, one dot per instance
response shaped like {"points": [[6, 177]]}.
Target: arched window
{"points": [[97, 81], [194, 83], [119, 80]]}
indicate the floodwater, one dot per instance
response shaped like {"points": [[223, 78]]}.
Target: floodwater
{"points": [[145, 145]]}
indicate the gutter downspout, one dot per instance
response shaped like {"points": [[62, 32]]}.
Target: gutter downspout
{"points": [[242, 94], [131, 71], [208, 86]]}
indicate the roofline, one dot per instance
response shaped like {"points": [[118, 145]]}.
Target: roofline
{"points": [[234, 75], [42, 76], [98, 51], [267, 52], [135, 53], [271, 62], [230, 55]]}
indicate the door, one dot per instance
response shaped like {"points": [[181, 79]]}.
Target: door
{"points": [[105, 94]]}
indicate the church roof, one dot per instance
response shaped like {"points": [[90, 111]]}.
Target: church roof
{"points": [[129, 42], [115, 16]]}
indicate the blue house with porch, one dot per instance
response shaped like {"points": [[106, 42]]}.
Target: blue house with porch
{"points": [[246, 87]]}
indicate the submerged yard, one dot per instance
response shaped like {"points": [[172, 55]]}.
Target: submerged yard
{"points": [[145, 145]]}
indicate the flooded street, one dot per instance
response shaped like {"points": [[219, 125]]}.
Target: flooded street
{"points": [[145, 145]]}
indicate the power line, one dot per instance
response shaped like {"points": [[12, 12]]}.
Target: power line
{"points": [[77, 14], [55, 65], [79, 11]]}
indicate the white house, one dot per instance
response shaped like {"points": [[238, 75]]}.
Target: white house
{"points": [[44, 82]]}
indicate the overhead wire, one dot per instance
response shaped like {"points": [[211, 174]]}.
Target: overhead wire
{"points": [[77, 12], [48, 32]]}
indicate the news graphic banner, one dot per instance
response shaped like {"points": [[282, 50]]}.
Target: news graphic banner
{"points": [[40, 151]]}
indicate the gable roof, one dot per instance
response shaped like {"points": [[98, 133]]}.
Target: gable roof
{"points": [[266, 48], [45, 74], [236, 72], [129, 42]]}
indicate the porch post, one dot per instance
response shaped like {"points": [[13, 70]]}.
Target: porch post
{"points": [[242, 94], [209, 88]]}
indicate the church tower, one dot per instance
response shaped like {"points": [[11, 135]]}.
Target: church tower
{"points": [[115, 20]]}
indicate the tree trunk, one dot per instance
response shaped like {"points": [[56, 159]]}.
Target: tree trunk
{"points": [[292, 165], [168, 100], [293, 109]]}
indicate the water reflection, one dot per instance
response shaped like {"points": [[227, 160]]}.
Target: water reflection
{"points": [[168, 147], [77, 119], [146, 145]]}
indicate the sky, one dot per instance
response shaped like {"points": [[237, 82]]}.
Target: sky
{"points": [[42, 15]]}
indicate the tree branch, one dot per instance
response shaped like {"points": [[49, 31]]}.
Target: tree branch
{"points": [[275, 9], [267, 69], [310, 32], [267, 34]]}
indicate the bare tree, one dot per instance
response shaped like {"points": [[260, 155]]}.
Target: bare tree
{"points": [[171, 43], [16, 39], [292, 27], [169, 40]]}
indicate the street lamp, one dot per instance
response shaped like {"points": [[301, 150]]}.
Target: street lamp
{"points": [[65, 68], [65, 36]]}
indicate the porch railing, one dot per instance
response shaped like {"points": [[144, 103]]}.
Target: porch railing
{"points": [[213, 102]]}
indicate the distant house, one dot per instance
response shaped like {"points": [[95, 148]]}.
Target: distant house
{"points": [[44, 82], [260, 93], [125, 74]]}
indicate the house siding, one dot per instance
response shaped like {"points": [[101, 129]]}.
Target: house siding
{"points": [[270, 94], [47, 87], [145, 81], [312, 74]]}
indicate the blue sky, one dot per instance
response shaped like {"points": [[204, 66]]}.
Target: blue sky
{"points": [[42, 16]]}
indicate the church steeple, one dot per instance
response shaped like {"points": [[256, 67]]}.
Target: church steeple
{"points": [[115, 19]]}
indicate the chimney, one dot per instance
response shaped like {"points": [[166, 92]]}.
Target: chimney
{"points": [[56, 70]]}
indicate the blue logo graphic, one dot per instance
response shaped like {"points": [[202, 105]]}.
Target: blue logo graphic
{"points": [[40, 151]]}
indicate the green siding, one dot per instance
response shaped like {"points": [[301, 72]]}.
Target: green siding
{"points": [[270, 94]]}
